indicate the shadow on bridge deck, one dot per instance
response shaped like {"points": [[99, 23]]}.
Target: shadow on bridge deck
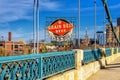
{"points": [[111, 72], [117, 65]]}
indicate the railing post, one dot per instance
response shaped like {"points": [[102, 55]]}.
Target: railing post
{"points": [[23, 71], [112, 54], [103, 58], [40, 67], [116, 50], [116, 55], [78, 59], [112, 51], [103, 52], [78, 64]]}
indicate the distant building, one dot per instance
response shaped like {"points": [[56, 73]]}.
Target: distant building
{"points": [[118, 21], [118, 25], [110, 39], [101, 37], [11, 47], [87, 39]]}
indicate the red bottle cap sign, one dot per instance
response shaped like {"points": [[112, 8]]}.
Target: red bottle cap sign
{"points": [[60, 27]]}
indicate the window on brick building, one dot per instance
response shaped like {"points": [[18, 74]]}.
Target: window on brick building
{"points": [[16, 46], [1, 44]]}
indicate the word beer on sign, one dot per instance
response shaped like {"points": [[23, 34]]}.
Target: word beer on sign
{"points": [[59, 29]]}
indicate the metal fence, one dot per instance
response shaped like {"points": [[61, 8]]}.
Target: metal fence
{"points": [[91, 55], [35, 66], [108, 52]]}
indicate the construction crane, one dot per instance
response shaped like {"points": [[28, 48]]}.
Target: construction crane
{"points": [[110, 19]]}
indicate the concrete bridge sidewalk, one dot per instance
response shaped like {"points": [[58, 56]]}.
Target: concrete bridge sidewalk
{"points": [[111, 72]]}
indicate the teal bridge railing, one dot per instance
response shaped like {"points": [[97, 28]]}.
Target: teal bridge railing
{"points": [[91, 55], [108, 52], [115, 50], [36, 66]]}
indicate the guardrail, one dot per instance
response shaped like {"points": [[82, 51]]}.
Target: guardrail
{"points": [[108, 52], [115, 50], [91, 55], [35, 66]]}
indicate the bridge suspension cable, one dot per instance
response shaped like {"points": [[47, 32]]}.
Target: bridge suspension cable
{"points": [[110, 19]]}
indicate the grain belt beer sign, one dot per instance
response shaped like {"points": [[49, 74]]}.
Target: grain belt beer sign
{"points": [[60, 30]]}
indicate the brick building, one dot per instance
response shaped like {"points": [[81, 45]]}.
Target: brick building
{"points": [[118, 25], [110, 39], [12, 47]]}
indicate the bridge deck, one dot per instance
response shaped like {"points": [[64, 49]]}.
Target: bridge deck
{"points": [[111, 72]]}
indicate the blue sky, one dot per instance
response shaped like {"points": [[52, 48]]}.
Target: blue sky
{"points": [[17, 15]]}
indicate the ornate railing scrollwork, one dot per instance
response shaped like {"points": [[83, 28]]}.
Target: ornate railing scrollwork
{"points": [[35, 66]]}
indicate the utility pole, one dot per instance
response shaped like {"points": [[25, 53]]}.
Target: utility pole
{"points": [[95, 22]]}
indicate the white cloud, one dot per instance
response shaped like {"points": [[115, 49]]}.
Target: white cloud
{"points": [[87, 9], [115, 6], [20, 34], [16, 34], [12, 10], [49, 5], [90, 31]]}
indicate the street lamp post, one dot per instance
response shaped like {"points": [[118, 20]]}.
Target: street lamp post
{"points": [[78, 24], [36, 26], [104, 28]]}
